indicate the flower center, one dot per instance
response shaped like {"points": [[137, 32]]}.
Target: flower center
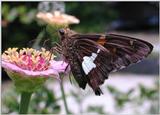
{"points": [[28, 58]]}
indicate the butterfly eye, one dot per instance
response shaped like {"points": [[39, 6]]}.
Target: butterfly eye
{"points": [[62, 32]]}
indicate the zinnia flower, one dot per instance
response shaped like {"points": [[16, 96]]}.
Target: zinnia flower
{"points": [[57, 18], [30, 68]]}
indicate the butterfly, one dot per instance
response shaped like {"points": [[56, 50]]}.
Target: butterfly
{"points": [[92, 57]]}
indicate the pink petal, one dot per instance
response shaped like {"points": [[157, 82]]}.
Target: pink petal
{"points": [[47, 73], [59, 66]]}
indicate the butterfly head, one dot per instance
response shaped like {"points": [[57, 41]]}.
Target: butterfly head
{"points": [[65, 33]]}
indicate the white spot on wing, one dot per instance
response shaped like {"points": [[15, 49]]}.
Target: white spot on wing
{"points": [[88, 62], [98, 50], [87, 65], [93, 57]]}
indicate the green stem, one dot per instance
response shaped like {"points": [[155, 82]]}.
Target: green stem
{"points": [[64, 97], [25, 99]]}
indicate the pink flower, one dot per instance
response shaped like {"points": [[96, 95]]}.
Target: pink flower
{"points": [[28, 64]]}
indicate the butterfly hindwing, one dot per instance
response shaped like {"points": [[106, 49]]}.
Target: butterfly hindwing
{"points": [[95, 62], [78, 72]]}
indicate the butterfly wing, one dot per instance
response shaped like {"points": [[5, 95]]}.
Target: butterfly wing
{"points": [[124, 50], [94, 60], [98, 55]]}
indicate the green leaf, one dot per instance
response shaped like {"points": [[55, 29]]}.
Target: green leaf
{"points": [[28, 17], [97, 109], [13, 14]]}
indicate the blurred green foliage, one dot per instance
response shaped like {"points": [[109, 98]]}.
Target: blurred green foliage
{"points": [[94, 16], [20, 25], [25, 15], [145, 94], [44, 100], [96, 109], [120, 97]]}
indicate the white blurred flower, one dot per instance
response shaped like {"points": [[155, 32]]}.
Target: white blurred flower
{"points": [[57, 18]]}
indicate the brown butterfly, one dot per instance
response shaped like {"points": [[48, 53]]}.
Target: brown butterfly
{"points": [[92, 57]]}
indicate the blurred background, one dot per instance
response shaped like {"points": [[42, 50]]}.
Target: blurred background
{"points": [[133, 90]]}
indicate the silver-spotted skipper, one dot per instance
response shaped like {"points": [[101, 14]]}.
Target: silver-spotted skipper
{"points": [[93, 56]]}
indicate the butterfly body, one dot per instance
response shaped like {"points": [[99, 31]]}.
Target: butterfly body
{"points": [[70, 56], [93, 56]]}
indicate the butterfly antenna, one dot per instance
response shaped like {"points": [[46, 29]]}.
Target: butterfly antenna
{"points": [[44, 43]]}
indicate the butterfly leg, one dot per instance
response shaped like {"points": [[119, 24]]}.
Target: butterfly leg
{"points": [[66, 67], [57, 44], [57, 49]]}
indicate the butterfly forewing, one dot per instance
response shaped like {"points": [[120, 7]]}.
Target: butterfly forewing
{"points": [[124, 50]]}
